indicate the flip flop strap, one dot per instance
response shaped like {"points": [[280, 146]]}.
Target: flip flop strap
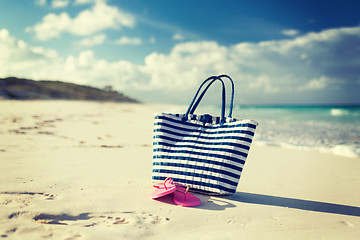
{"points": [[167, 179], [184, 192]]}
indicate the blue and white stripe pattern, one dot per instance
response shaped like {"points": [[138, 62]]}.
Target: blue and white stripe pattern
{"points": [[209, 157]]}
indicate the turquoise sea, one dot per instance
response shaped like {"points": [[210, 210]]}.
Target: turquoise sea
{"points": [[334, 129]]}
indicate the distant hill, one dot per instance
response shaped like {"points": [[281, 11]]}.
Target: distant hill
{"points": [[26, 89]]}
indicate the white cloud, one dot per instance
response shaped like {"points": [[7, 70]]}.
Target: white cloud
{"points": [[22, 60], [19, 59], [185, 65], [128, 41], [92, 41], [60, 3], [311, 68], [152, 40], [52, 26], [178, 37], [290, 32], [316, 84], [40, 2], [54, 3], [264, 82], [81, 2], [310, 39], [100, 17], [303, 56]]}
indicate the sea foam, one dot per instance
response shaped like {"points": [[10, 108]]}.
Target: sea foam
{"points": [[338, 112]]}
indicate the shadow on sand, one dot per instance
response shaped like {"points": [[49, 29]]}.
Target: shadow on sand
{"points": [[262, 199]]}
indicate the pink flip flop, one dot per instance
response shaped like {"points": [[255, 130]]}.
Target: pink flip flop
{"points": [[164, 188], [183, 198]]}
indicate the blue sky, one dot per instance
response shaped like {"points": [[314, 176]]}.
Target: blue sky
{"points": [[277, 52]]}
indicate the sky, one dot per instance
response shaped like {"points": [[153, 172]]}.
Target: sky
{"points": [[159, 51]]}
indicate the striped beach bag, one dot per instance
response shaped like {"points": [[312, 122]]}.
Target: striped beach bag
{"points": [[204, 152]]}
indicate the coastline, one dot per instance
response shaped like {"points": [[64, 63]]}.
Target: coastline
{"points": [[82, 170]]}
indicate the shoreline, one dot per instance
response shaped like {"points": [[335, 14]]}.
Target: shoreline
{"points": [[82, 170], [339, 150]]}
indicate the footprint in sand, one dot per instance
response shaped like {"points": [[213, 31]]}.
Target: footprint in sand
{"points": [[110, 219], [136, 219], [38, 126], [45, 132], [71, 225], [346, 223], [25, 230], [16, 131], [8, 232], [22, 199]]}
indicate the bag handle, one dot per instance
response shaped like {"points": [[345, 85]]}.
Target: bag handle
{"points": [[213, 79], [203, 93]]}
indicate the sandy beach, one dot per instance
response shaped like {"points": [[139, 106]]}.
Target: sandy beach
{"points": [[82, 170]]}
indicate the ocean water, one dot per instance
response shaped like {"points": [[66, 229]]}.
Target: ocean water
{"points": [[333, 129]]}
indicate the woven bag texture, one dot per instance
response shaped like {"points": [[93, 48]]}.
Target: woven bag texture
{"points": [[209, 156]]}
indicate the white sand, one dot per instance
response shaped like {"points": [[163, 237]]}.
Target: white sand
{"points": [[82, 170]]}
